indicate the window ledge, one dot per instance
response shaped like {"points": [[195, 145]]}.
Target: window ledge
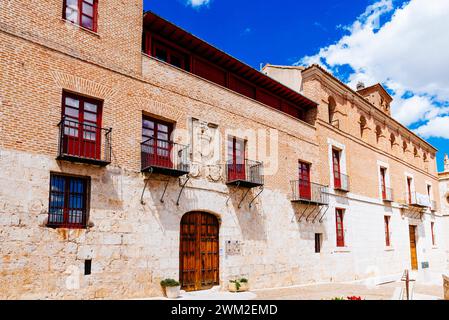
{"points": [[342, 250], [80, 27], [389, 248]]}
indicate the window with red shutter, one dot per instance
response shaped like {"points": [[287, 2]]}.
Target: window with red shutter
{"points": [[336, 168], [305, 191], [387, 230], [156, 149], [383, 173], [340, 228], [82, 13], [432, 228]]}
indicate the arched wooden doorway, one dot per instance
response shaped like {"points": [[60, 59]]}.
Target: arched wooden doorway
{"points": [[199, 251]]}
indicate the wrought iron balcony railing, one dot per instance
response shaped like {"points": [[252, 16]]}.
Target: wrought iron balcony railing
{"points": [[309, 192], [248, 174], [416, 199], [341, 181], [164, 157], [387, 194], [84, 142]]}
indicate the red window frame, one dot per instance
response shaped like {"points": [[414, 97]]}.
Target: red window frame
{"points": [[387, 230], [383, 182], [236, 159], [339, 226], [69, 197], [170, 55], [432, 229], [305, 191], [156, 136], [82, 126], [336, 155], [83, 13]]}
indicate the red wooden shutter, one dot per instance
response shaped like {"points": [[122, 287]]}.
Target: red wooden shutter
{"points": [[383, 183], [82, 126], [336, 167], [387, 230], [157, 144], [340, 228], [236, 158], [432, 227], [304, 181]]}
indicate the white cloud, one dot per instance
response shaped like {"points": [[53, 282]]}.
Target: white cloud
{"points": [[437, 127], [197, 3], [409, 54]]}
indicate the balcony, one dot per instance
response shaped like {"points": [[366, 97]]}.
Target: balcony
{"points": [[164, 157], [341, 182], [84, 143], [248, 174], [417, 200], [387, 194], [308, 192]]}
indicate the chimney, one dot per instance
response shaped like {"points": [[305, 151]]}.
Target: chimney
{"points": [[446, 163], [360, 86]]}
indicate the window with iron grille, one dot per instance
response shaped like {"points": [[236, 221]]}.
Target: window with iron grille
{"points": [[69, 196], [82, 13]]}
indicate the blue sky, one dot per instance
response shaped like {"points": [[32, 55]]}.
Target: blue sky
{"points": [[394, 42]]}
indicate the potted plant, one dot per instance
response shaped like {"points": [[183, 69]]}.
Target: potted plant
{"points": [[171, 288], [244, 286], [238, 285]]}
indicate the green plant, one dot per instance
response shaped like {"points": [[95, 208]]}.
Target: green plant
{"points": [[338, 298], [244, 280], [169, 283], [237, 284]]}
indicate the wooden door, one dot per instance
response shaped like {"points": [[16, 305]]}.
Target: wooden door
{"points": [[413, 254], [236, 156], [82, 126], [304, 181], [199, 251], [336, 167]]}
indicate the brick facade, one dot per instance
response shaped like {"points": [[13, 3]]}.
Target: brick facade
{"points": [[133, 239]]}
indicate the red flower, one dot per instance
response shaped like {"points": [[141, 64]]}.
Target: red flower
{"points": [[354, 298]]}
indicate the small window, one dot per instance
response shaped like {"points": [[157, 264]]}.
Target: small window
{"points": [[82, 13], [69, 198], [340, 228], [387, 230], [87, 267], [318, 239], [170, 55]]}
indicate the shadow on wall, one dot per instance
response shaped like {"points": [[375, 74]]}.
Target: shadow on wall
{"points": [[308, 218], [106, 184], [250, 220]]}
